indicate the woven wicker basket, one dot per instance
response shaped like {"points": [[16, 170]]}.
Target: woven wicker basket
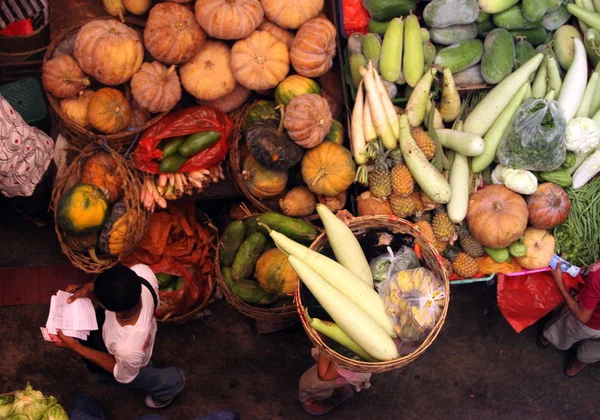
{"points": [[210, 279], [361, 226], [69, 175], [76, 135], [267, 319]]}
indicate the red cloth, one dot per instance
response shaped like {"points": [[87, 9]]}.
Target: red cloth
{"points": [[589, 297], [18, 28], [525, 299], [356, 17]]}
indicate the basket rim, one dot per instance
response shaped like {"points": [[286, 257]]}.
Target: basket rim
{"points": [[382, 366], [55, 102], [255, 312]]}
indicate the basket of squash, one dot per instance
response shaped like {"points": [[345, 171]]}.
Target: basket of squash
{"points": [[255, 276], [102, 84], [98, 216]]}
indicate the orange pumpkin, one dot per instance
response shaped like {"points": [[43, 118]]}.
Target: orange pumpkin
{"points": [[63, 77], [230, 102], [109, 51], [540, 249], [208, 75], [291, 13], [139, 116], [229, 19], [156, 88], [328, 169], [314, 47], [260, 61], [109, 111], [497, 216], [172, 34], [283, 35], [548, 206], [76, 109], [101, 170], [308, 120]]}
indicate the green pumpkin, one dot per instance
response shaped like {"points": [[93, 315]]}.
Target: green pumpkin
{"points": [[81, 210], [275, 274], [293, 86], [261, 111], [336, 133]]}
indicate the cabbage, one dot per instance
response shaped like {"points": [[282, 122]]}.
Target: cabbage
{"points": [[583, 135], [518, 180], [6, 403], [30, 402], [17, 417], [56, 412]]}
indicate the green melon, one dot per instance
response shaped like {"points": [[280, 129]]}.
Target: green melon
{"points": [[295, 85], [82, 210], [336, 133]]}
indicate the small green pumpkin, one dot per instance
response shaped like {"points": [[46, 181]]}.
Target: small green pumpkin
{"points": [[271, 147], [261, 111], [112, 237], [81, 210], [336, 133], [295, 85], [275, 274]]}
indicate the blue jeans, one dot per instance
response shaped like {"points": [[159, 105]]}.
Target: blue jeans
{"points": [[161, 384], [86, 407]]}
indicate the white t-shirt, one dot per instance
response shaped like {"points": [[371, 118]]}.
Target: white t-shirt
{"points": [[132, 345]]}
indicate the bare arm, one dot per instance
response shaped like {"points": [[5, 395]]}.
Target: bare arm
{"points": [[583, 315], [105, 360]]}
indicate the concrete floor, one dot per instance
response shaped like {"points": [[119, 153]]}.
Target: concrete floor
{"points": [[477, 368]]}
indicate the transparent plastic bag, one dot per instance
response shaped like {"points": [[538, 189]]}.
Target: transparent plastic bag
{"points": [[536, 138], [388, 265], [414, 300]]}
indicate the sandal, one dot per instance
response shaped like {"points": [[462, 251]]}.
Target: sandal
{"points": [[574, 367], [542, 342], [319, 408]]}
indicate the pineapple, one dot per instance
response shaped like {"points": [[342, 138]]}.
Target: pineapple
{"points": [[448, 267], [428, 203], [424, 141], [463, 265], [403, 182], [402, 206], [468, 243], [440, 246], [443, 228], [425, 228], [380, 180]]}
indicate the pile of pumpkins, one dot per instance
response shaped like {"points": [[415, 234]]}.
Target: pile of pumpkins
{"points": [[91, 214], [295, 135]]}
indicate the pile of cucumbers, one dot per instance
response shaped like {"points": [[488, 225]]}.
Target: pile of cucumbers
{"points": [[169, 282], [242, 244], [177, 150]]}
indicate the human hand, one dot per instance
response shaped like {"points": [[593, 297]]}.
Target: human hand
{"points": [[80, 291], [345, 216], [64, 341], [557, 276]]}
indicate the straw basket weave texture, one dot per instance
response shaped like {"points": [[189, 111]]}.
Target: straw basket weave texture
{"points": [[431, 260]]}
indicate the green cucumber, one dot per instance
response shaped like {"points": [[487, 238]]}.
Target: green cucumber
{"points": [[391, 51], [172, 163], [383, 10], [378, 27], [460, 56], [591, 40], [295, 229], [356, 62], [171, 146], [453, 34], [226, 273], [372, 48], [247, 255], [230, 242], [197, 142], [513, 19], [251, 293], [498, 57], [535, 36], [554, 20]]}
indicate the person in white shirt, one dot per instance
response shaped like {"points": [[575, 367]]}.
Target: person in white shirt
{"points": [[122, 347]]}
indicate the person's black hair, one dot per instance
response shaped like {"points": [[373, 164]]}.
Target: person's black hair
{"points": [[118, 289]]}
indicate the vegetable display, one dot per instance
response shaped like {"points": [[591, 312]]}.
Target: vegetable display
{"points": [[29, 403]]}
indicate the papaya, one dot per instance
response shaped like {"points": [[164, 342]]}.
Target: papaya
{"points": [[275, 274]]}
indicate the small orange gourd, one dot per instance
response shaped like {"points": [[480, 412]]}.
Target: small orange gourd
{"points": [[100, 170], [284, 35], [172, 34], [208, 75], [76, 109], [109, 111], [155, 87], [230, 102], [229, 19], [291, 13], [314, 47], [263, 182], [62, 77], [328, 169], [260, 61], [109, 51], [308, 120]]}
